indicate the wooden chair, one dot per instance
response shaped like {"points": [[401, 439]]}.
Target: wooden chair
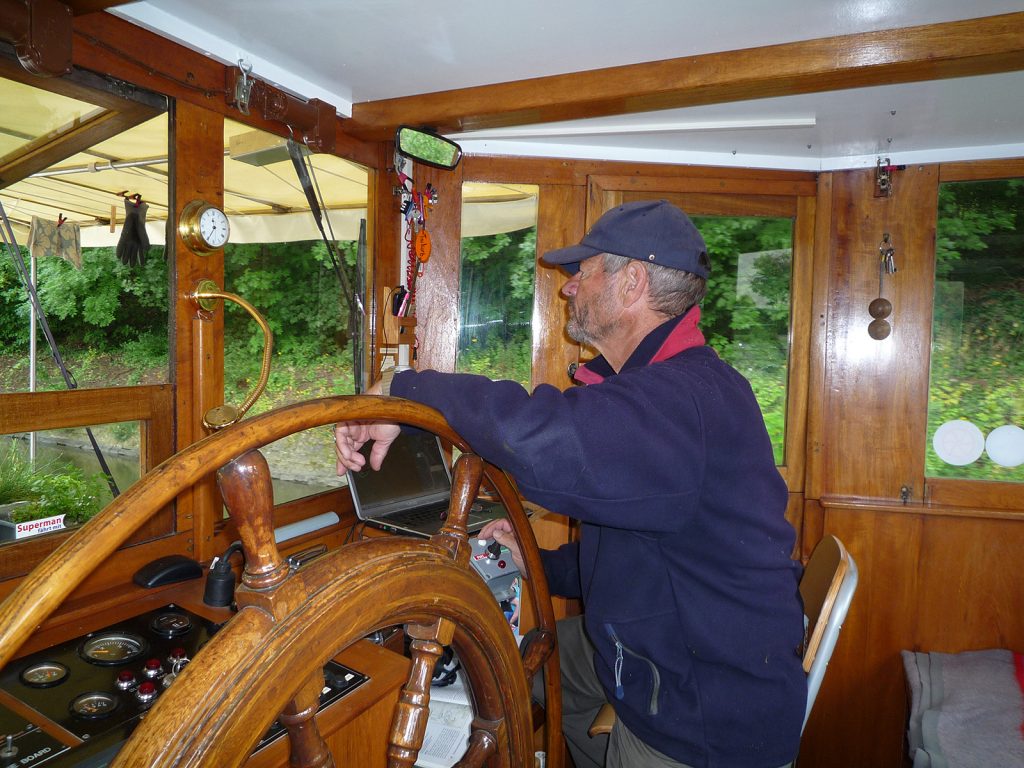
{"points": [[827, 587]]}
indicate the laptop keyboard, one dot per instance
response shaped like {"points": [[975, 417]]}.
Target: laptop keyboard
{"points": [[421, 515]]}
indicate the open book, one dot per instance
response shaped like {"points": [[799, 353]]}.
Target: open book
{"points": [[448, 726]]}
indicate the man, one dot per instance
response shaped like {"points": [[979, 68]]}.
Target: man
{"points": [[692, 616]]}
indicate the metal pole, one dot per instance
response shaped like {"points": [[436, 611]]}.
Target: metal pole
{"points": [[32, 357]]}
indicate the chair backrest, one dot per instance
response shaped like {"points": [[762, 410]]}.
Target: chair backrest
{"points": [[827, 587]]}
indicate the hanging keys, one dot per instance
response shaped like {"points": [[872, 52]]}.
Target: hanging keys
{"points": [[888, 255]]}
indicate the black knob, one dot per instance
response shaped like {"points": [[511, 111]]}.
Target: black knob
{"points": [[493, 550]]}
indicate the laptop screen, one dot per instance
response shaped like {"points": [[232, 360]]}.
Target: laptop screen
{"points": [[413, 473]]}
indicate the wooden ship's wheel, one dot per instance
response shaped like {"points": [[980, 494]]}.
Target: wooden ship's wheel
{"points": [[267, 662]]}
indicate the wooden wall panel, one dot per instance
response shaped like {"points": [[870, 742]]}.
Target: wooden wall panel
{"points": [[197, 146], [437, 292], [872, 431], [931, 579], [859, 714], [816, 350], [560, 214]]}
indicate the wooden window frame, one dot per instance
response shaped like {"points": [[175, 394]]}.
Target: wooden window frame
{"points": [[39, 411], [967, 493]]}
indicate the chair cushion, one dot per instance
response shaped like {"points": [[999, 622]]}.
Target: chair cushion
{"points": [[966, 708]]}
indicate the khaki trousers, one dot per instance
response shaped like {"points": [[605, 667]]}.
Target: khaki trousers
{"points": [[582, 697]]}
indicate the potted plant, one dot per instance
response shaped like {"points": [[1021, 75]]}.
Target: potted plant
{"points": [[37, 500]]}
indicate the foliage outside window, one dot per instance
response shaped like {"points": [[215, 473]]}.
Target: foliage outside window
{"points": [[976, 391], [45, 488], [295, 288], [496, 288], [746, 314], [109, 321], [108, 315]]}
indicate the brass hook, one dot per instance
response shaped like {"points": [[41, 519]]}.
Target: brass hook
{"points": [[224, 415]]}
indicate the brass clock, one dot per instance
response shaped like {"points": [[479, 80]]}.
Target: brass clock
{"points": [[203, 227]]}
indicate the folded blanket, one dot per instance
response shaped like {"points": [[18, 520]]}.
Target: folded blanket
{"points": [[966, 709]]}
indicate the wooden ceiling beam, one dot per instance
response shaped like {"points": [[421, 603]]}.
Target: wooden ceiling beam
{"points": [[110, 44], [937, 51]]}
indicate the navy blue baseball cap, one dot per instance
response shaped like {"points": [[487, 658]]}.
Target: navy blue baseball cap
{"points": [[654, 231]]}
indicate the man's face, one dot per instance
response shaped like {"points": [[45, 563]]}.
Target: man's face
{"points": [[591, 295]]}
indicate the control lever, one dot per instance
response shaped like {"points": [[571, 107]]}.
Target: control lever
{"points": [[8, 750], [299, 559], [494, 550]]}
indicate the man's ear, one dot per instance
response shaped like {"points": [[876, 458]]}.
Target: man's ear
{"points": [[634, 282]]}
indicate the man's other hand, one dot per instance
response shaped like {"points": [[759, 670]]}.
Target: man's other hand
{"points": [[501, 531]]}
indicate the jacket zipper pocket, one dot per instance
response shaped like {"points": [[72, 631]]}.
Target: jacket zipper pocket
{"points": [[652, 707]]}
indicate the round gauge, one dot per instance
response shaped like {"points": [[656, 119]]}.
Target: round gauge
{"points": [[93, 704], [203, 227], [110, 648], [171, 624], [44, 674]]}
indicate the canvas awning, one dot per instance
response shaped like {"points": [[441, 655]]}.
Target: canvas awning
{"points": [[263, 197]]}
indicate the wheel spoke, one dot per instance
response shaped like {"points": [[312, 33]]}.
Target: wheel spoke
{"points": [[308, 747], [413, 709]]}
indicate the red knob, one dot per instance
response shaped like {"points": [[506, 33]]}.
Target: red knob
{"points": [[146, 692], [125, 679]]}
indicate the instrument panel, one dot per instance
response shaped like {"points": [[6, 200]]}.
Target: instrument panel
{"points": [[75, 704]]}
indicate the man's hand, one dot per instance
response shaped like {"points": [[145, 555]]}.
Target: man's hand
{"points": [[501, 532], [349, 437]]}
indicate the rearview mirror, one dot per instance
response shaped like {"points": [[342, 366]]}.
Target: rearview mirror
{"points": [[425, 146]]}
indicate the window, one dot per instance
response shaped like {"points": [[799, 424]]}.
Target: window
{"points": [[496, 282], [976, 390], [51, 480], [277, 261], [104, 302], [83, 167], [745, 316]]}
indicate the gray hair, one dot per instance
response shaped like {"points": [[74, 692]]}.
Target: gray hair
{"points": [[671, 291]]}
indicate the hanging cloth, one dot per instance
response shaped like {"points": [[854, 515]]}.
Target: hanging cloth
{"points": [[134, 242], [61, 238]]}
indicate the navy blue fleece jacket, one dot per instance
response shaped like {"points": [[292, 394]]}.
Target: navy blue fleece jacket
{"points": [[683, 565]]}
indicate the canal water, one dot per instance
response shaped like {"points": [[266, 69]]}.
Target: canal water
{"points": [[299, 466]]}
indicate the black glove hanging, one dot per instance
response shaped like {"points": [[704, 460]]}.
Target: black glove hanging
{"points": [[134, 242]]}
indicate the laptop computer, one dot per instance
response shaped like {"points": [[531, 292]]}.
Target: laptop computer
{"points": [[411, 491]]}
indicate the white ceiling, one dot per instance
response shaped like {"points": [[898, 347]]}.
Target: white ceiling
{"points": [[351, 51]]}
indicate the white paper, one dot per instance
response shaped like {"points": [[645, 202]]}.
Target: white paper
{"points": [[448, 727]]}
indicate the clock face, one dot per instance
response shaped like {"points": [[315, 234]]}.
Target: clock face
{"points": [[213, 227]]}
